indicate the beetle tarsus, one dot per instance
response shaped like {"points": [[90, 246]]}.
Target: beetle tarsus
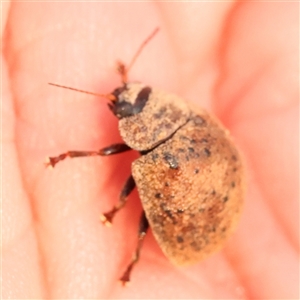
{"points": [[48, 163], [125, 279], [106, 218], [52, 161]]}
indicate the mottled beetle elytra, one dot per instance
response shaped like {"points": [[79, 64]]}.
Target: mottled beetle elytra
{"points": [[189, 175]]}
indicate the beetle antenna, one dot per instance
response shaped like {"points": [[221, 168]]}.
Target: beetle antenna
{"points": [[142, 47], [122, 69], [110, 97]]}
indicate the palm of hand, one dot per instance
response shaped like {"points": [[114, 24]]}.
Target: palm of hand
{"points": [[53, 245]]}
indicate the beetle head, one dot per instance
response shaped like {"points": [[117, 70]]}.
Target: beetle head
{"points": [[130, 99]]}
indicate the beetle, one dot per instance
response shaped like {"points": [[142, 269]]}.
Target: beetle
{"points": [[189, 175]]}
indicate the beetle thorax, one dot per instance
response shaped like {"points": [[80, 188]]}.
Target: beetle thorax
{"points": [[155, 116]]}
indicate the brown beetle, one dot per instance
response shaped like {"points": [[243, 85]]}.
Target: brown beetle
{"points": [[189, 176]]}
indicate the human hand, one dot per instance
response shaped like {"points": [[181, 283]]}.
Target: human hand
{"points": [[238, 60]]}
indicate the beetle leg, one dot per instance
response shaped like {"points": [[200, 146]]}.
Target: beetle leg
{"points": [[129, 186], [110, 150], [143, 227]]}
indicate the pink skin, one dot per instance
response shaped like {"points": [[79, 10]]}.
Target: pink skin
{"points": [[238, 60]]}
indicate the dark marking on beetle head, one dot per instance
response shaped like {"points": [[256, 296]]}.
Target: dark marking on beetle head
{"points": [[122, 108]]}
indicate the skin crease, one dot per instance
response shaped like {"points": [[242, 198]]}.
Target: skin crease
{"points": [[238, 60]]}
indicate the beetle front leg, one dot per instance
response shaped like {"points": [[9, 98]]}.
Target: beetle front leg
{"points": [[110, 150]]}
